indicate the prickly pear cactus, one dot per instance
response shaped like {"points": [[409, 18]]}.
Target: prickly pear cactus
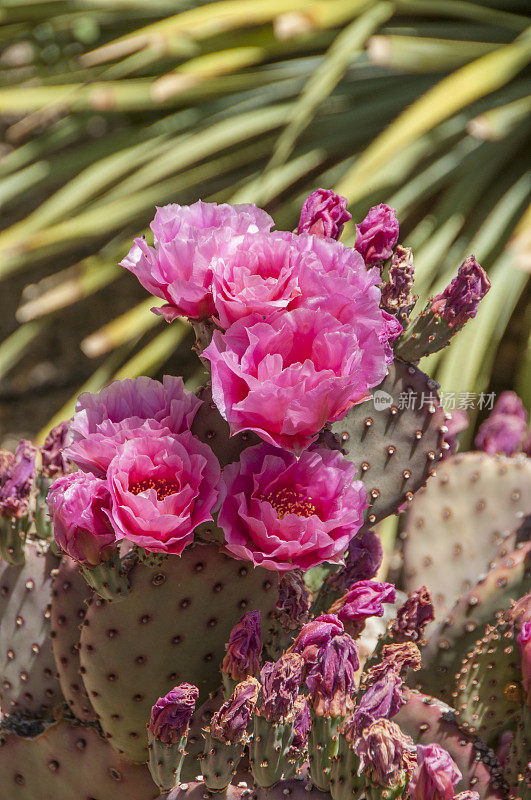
{"points": [[70, 598], [67, 759], [28, 674], [171, 628], [171, 622], [394, 440], [456, 525]]}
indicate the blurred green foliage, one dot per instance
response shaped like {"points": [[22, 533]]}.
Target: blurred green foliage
{"points": [[109, 107]]}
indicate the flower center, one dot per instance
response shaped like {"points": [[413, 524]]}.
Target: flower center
{"points": [[162, 487], [290, 501]]}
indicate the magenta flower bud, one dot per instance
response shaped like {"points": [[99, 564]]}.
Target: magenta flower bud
{"points": [[281, 681], [382, 750], [459, 301], [505, 429], [293, 604], [54, 462], [314, 637], [382, 699], [436, 776], [377, 234], [332, 679], [509, 403], [396, 293], [457, 423], [524, 642], [364, 599], [230, 723], [16, 481], [324, 213], [171, 714], [244, 648], [413, 616], [301, 724], [500, 433], [362, 561], [78, 506]]}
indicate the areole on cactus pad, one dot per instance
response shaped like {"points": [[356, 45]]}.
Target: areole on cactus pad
{"points": [[193, 617]]}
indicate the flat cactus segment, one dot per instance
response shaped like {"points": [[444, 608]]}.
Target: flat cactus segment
{"points": [[294, 789], [196, 743], [428, 721], [196, 790], [488, 691], [171, 628], [28, 679], [211, 428], [452, 639], [454, 527], [68, 761], [395, 442], [70, 595]]}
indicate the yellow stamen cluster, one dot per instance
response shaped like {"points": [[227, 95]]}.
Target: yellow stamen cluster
{"points": [[162, 487], [289, 501]]}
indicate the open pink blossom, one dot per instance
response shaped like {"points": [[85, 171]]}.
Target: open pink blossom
{"points": [[126, 410], [78, 504], [162, 488], [201, 219], [282, 513], [286, 377], [132, 401], [258, 273], [187, 240]]}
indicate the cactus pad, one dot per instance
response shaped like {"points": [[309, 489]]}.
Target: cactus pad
{"points": [[395, 447], [70, 594], [452, 639], [171, 628], [28, 680], [68, 760], [488, 694], [211, 428], [455, 525], [427, 720]]}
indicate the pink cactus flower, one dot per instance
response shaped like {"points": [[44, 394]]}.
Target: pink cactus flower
{"points": [[187, 239], [315, 636], [121, 411], [504, 429], [162, 488], [377, 234], [259, 273], [202, 219], [437, 774], [282, 513], [284, 378], [324, 213], [78, 506]]}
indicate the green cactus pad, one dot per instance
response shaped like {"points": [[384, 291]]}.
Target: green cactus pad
{"points": [[28, 679], [198, 791], [488, 691], [171, 628], [454, 527], [195, 745], [68, 760], [211, 428], [428, 721], [452, 639], [70, 595], [396, 448]]}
